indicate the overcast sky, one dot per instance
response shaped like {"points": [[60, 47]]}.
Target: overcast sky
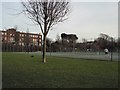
{"points": [[86, 20]]}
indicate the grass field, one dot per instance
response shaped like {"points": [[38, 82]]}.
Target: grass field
{"points": [[23, 71]]}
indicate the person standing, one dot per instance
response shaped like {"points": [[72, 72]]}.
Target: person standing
{"points": [[106, 51], [106, 54]]}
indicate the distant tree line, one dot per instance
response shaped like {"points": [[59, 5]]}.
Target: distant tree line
{"points": [[68, 43], [64, 43]]}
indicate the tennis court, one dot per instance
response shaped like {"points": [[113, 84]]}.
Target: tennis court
{"points": [[83, 55]]}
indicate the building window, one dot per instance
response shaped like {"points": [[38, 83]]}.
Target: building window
{"points": [[5, 38], [22, 44], [11, 39], [33, 40], [19, 43], [22, 39], [39, 36], [20, 35], [2, 33], [10, 34]]}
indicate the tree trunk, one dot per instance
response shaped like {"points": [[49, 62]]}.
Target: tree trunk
{"points": [[44, 49]]}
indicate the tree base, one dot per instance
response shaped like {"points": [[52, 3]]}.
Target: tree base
{"points": [[44, 60]]}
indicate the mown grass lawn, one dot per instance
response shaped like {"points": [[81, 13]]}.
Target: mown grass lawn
{"points": [[23, 71]]}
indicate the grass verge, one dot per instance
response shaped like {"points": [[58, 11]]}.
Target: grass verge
{"points": [[24, 71]]}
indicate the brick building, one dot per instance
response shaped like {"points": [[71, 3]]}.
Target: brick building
{"points": [[12, 40]]}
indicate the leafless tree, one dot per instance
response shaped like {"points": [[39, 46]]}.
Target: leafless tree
{"points": [[27, 41], [17, 40], [46, 13]]}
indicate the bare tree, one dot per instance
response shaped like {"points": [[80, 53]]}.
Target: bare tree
{"points": [[46, 13], [27, 41], [57, 37], [69, 40], [17, 40]]}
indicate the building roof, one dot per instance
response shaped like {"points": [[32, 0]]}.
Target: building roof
{"points": [[12, 28]]}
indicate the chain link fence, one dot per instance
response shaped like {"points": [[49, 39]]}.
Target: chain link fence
{"points": [[83, 55]]}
